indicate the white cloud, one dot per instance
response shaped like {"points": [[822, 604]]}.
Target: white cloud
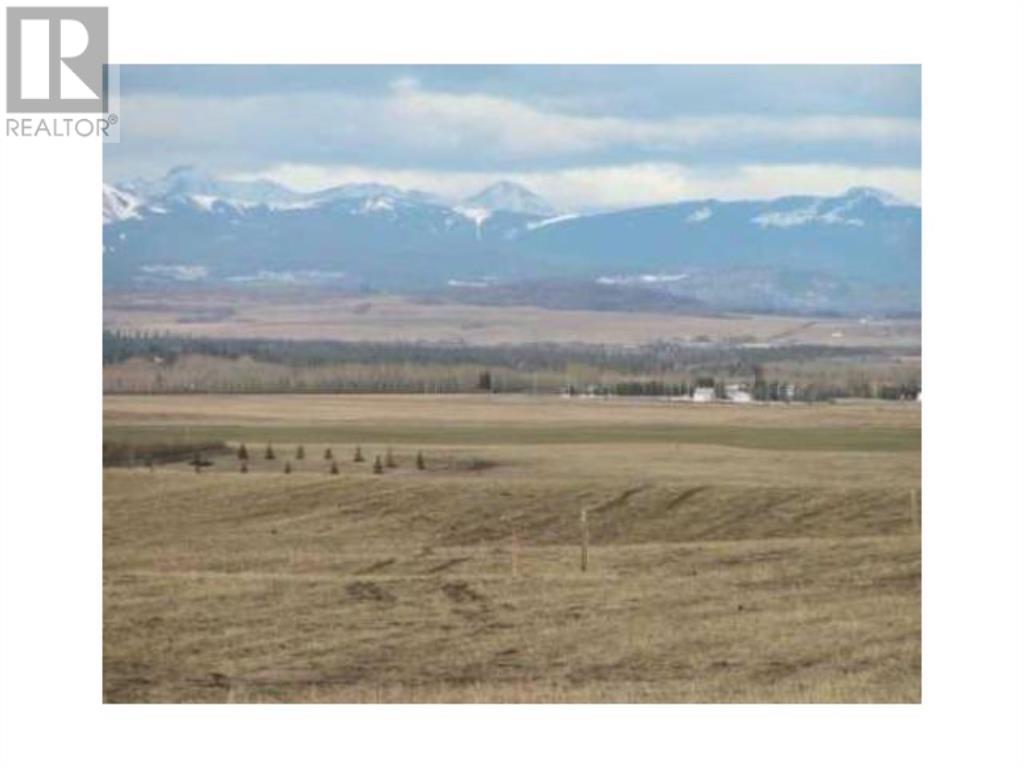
{"points": [[601, 161], [409, 119], [522, 129], [597, 187]]}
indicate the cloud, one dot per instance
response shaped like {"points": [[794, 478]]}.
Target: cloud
{"points": [[631, 91], [409, 125], [453, 142], [583, 188], [524, 130]]}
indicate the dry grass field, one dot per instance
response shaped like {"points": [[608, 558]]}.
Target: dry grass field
{"points": [[301, 315], [757, 554]]}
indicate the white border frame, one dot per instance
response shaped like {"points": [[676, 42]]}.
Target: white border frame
{"points": [[50, 318]]}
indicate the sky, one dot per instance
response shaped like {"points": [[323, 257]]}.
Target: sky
{"points": [[584, 137]]}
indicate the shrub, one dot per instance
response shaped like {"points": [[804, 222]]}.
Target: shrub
{"points": [[243, 453], [334, 467], [358, 457], [199, 462], [287, 467], [389, 459], [118, 453], [269, 453], [244, 469], [474, 464], [328, 454], [300, 453], [420, 463], [378, 466]]}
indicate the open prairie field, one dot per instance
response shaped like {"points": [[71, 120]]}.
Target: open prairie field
{"points": [[394, 318], [737, 553]]}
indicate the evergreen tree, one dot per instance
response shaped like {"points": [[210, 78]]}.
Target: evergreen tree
{"points": [[243, 453], [328, 454], [389, 459], [334, 467], [269, 453], [287, 467], [358, 457], [300, 453], [378, 466], [420, 463]]}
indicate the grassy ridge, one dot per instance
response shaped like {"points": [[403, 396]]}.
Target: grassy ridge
{"points": [[270, 587], [736, 554]]}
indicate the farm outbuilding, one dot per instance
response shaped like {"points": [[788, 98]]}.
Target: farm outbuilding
{"points": [[737, 393], [704, 395]]}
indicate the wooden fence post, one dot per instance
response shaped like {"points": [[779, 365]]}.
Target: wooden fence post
{"points": [[515, 553], [584, 539]]}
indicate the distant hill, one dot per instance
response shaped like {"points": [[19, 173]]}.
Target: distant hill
{"points": [[857, 252]]}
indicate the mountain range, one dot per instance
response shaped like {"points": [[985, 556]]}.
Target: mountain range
{"points": [[852, 253]]}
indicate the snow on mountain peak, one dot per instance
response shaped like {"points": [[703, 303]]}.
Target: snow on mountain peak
{"points": [[888, 199], [701, 214], [477, 215], [827, 210], [378, 204], [532, 225], [186, 182], [809, 214], [119, 205], [508, 196]]}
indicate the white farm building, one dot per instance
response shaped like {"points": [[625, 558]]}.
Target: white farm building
{"points": [[704, 395], [736, 393]]}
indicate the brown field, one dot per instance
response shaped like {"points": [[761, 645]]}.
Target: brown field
{"points": [[393, 318], [758, 553]]}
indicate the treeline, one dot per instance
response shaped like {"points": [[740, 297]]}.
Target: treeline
{"points": [[146, 363], [657, 358], [760, 390]]}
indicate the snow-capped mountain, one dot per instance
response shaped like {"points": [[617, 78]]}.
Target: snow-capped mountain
{"points": [[372, 191], [514, 198], [184, 182], [860, 251], [119, 205], [828, 211]]}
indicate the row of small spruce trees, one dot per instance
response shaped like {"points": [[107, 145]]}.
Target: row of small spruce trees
{"points": [[300, 454]]}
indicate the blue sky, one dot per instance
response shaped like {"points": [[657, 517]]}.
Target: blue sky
{"points": [[586, 137]]}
